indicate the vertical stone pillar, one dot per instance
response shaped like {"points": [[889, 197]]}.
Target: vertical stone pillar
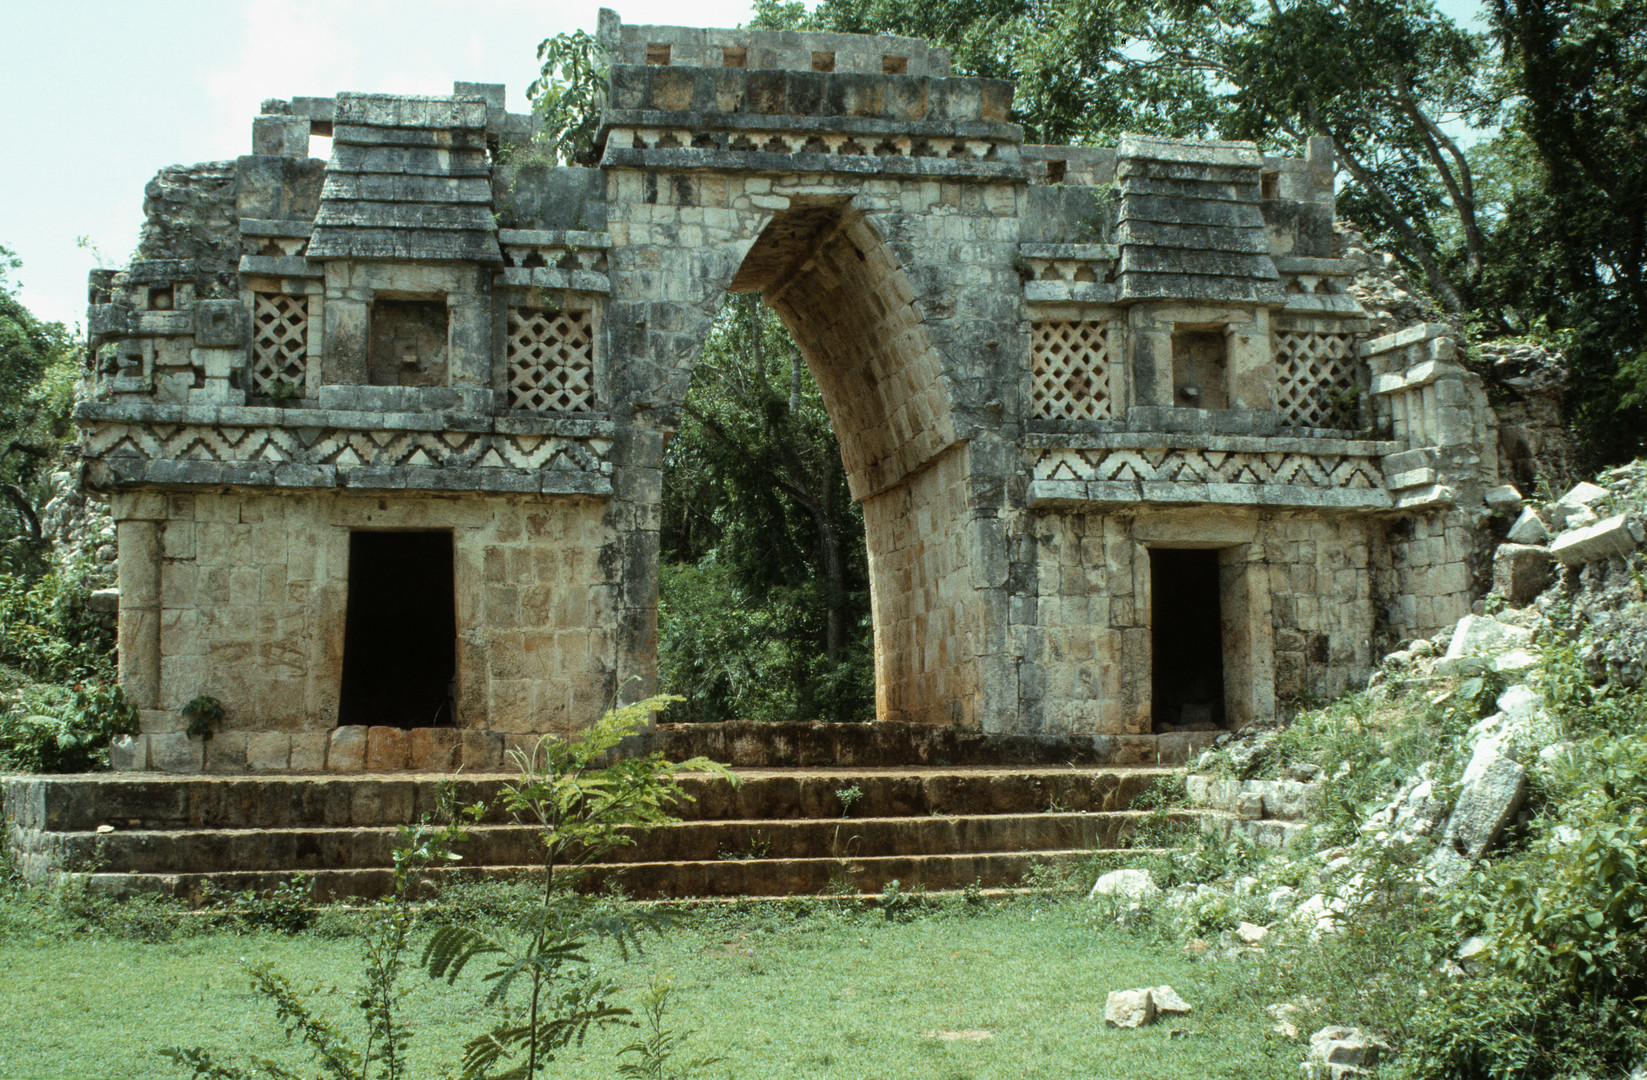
{"points": [[138, 539], [1250, 362], [348, 312], [1149, 345], [469, 341]]}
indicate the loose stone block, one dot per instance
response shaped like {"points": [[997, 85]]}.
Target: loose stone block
{"points": [[1129, 1009], [1520, 572], [1614, 536]]}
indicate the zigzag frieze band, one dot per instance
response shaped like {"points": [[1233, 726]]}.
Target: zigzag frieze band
{"points": [[346, 448], [1209, 467]]}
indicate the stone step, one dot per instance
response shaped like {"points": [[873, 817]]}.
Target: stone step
{"points": [[648, 880], [782, 831], [149, 801], [168, 851]]}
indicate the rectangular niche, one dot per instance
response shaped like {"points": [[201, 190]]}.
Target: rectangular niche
{"points": [[400, 631], [1200, 367], [408, 342]]}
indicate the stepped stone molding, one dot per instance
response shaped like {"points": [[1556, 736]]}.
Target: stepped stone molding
{"points": [[408, 179]]}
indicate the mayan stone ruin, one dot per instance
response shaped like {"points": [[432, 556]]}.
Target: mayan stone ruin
{"points": [[383, 433]]}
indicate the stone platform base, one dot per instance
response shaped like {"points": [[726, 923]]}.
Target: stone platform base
{"points": [[348, 750]]}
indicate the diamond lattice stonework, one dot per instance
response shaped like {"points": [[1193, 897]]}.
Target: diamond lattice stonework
{"points": [[1316, 380], [280, 341], [551, 360], [1071, 369]]}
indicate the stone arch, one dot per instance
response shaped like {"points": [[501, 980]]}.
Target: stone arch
{"points": [[839, 288]]}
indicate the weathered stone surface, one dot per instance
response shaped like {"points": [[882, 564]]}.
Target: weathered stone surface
{"points": [[1129, 1009], [1481, 636], [386, 748], [128, 752], [1337, 1052], [1614, 536], [268, 751], [1577, 498], [1168, 1003], [174, 752], [346, 749], [1135, 887], [406, 337], [1492, 791], [1139, 1008], [1529, 529], [1504, 499], [1520, 572]]}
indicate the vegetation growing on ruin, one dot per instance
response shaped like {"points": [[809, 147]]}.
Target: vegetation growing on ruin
{"points": [[59, 705]]}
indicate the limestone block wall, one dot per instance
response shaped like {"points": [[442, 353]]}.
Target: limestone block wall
{"points": [[1042, 363], [244, 596], [930, 631], [902, 295], [1295, 600], [1321, 602], [1437, 411]]}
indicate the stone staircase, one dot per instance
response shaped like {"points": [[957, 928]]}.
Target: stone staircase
{"points": [[785, 831]]}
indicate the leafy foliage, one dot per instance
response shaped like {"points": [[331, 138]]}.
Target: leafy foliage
{"points": [[1573, 242], [583, 809], [203, 713], [656, 1049], [567, 96], [764, 598], [38, 367], [46, 631], [379, 998], [47, 728]]}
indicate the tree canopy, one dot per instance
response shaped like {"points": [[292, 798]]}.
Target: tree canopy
{"points": [[1539, 230], [37, 372]]}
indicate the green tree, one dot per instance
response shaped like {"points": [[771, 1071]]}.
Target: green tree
{"points": [[582, 810], [568, 94], [38, 367], [1383, 78], [764, 611], [1572, 247], [1078, 79]]}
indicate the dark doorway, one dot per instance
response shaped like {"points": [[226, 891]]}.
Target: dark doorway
{"points": [[1187, 683], [400, 635]]}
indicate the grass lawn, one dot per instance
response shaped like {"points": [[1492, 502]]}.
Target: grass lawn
{"points": [[1011, 991]]}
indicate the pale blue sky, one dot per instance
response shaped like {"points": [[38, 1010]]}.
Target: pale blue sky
{"points": [[106, 92]]}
